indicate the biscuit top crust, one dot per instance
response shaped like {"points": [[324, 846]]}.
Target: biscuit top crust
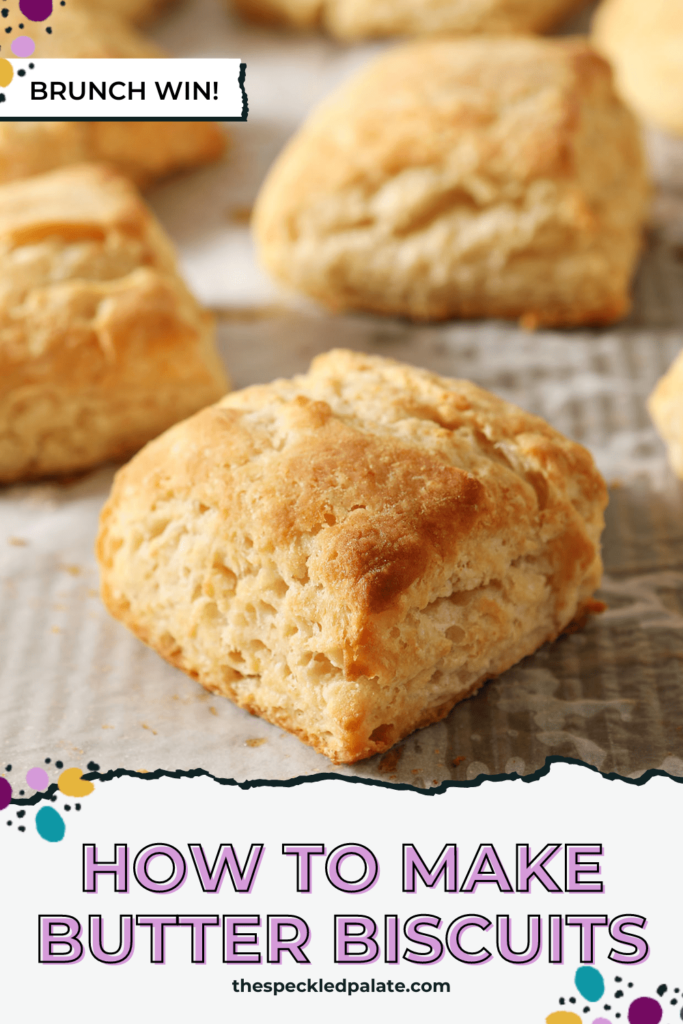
{"points": [[373, 488], [83, 202], [493, 114]]}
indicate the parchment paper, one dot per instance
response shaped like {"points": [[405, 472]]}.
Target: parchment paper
{"points": [[76, 686]]}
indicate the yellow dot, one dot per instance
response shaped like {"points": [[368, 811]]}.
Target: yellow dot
{"points": [[6, 72], [71, 784], [563, 1017]]}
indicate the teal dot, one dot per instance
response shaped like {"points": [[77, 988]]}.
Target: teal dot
{"points": [[50, 824], [590, 983]]}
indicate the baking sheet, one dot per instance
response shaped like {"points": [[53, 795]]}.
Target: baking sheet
{"points": [[75, 686]]}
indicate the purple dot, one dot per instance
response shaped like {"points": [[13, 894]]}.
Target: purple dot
{"points": [[36, 10], [37, 779], [601, 1020], [5, 794], [644, 1011], [23, 46]]}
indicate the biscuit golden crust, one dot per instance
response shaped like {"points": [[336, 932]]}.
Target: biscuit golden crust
{"points": [[471, 178], [101, 345], [666, 409], [644, 42], [351, 552], [363, 19], [143, 150]]}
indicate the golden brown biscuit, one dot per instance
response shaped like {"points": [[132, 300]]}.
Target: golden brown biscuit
{"points": [[362, 19], [666, 409], [351, 552], [471, 178], [644, 41], [101, 345], [138, 12], [142, 150]]}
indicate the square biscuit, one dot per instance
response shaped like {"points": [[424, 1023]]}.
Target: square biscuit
{"points": [[666, 408], [363, 19], [102, 347], [143, 150], [351, 552], [481, 177]]}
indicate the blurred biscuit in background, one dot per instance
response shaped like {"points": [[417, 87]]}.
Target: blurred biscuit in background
{"points": [[666, 409], [644, 41], [143, 150], [101, 344], [139, 12], [362, 19], [482, 177]]}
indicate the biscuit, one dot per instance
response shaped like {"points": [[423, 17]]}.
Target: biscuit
{"points": [[144, 150], [362, 19], [666, 409], [464, 178], [351, 552], [644, 41], [101, 345], [138, 12]]}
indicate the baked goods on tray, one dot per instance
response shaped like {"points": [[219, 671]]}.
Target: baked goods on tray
{"points": [[666, 409], [144, 150], [361, 19], [643, 39], [101, 345], [351, 552], [483, 177]]}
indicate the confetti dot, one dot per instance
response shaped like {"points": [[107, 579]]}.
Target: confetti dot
{"points": [[601, 1020], [71, 783], [644, 1011], [6, 72], [5, 794], [93, 766], [23, 46], [590, 983], [563, 1017], [36, 10], [37, 779], [50, 825]]}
